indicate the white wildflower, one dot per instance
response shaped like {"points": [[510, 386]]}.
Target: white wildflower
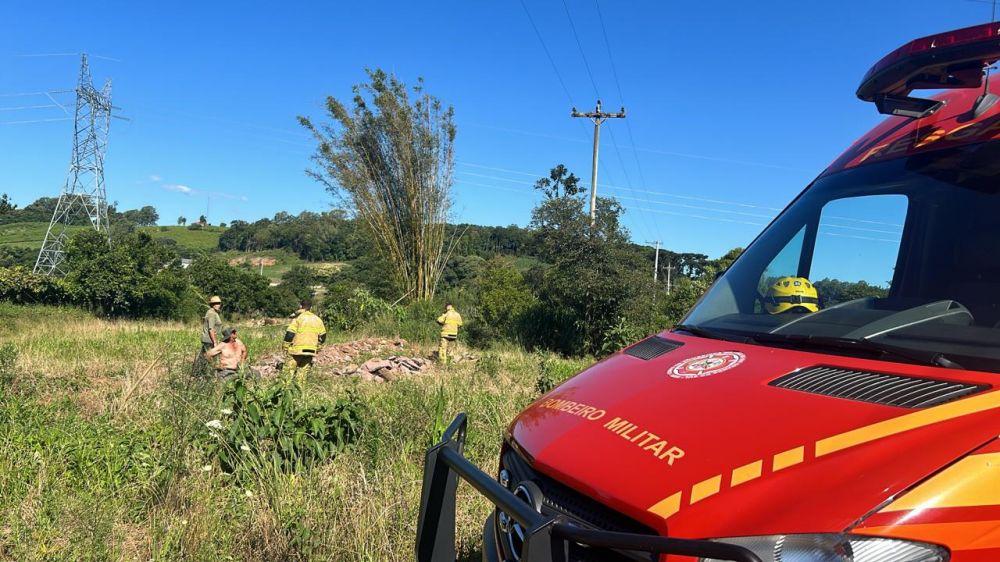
{"points": [[206, 468], [248, 493], [245, 447], [226, 412], [214, 424]]}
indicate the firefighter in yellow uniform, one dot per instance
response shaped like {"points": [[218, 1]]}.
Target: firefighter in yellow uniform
{"points": [[303, 339], [450, 321]]}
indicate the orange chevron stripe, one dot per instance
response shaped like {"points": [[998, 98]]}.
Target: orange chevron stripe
{"points": [[972, 481], [859, 436], [896, 425]]}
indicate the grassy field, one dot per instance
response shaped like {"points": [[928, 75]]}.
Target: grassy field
{"points": [[26, 234], [203, 239], [105, 449], [32, 234]]}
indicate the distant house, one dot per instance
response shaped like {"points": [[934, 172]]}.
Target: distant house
{"points": [[186, 263]]}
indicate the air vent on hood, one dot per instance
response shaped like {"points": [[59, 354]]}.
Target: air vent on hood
{"points": [[651, 348], [879, 388]]}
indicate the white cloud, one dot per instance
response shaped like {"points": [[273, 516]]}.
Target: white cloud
{"points": [[155, 177], [178, 188]]}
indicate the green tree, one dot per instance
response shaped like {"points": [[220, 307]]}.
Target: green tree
{"points": [[392, 159], [133, 277], [559, 178], [591, 293], [6, 205], [503, 298], [146, 216], [299, 281], [244, 291], [181, 220]]}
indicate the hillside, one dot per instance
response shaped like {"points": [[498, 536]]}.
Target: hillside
{"points": [[31, 234]]}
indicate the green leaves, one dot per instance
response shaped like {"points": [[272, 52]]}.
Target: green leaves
{"points": [[271, 425]]}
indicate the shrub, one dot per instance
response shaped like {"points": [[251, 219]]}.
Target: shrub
{"points": [[244, 291], [552, 372], [270, 428], [503, 299], [349, 306], [20, 286]]}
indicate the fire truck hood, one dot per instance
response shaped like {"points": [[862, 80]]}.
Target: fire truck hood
{"points": [[697, 443]]}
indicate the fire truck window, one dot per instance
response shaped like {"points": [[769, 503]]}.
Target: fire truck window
{"points": [[857, 247], [785, 264]]}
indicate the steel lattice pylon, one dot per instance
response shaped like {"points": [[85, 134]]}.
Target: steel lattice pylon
{"points": [[83, 195]]}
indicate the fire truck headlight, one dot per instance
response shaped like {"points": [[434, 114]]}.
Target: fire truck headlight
{"points": [[837, 548]]}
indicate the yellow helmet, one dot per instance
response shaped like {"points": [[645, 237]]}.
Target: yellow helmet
{"points": [[215, 300], [791, 293]]}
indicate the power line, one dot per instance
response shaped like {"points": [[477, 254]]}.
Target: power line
{"points": [[614, 142], [657, 211], [704, 200], [29, 121], [621, 95], [579, 45], [23, 94], [19, 108], [611, 186], [548, 55], [651, 150]]}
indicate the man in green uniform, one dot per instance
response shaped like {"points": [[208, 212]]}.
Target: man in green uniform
{"points": [[211, 328], [303, 339], [450, 321]]}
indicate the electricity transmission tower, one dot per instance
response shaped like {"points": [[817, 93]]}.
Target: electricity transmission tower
{"points": [[598, 117], [83, 194]]}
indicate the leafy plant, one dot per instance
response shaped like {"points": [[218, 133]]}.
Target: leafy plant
{"points": [[270, 426], [551, 372], [348, 307]]}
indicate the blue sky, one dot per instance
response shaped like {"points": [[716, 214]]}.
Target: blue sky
{"points": [[733, 106]]}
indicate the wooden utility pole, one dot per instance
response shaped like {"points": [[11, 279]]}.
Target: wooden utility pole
{"points": [[598, 117]]}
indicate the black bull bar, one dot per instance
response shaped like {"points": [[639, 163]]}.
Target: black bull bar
{"points": [[546, 537]]}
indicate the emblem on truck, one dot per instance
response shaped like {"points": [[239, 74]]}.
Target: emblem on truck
{"points": [[706, 365]]}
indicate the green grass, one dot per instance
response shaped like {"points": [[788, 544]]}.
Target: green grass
{"points": [[26, 234], [203, 239], [104, 448], [31, 235]]}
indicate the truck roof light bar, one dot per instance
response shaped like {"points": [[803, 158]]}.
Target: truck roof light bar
{"points": [[954, 59]]}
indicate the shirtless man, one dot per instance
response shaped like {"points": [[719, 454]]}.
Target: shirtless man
{"points": [[232, 354]]}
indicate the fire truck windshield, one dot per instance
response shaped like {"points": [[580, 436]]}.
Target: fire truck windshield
{"points": [[898, 255]]}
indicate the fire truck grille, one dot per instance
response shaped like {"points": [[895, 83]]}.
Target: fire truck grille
{"points": [[651, 348], [559, 499], [878, 388]]}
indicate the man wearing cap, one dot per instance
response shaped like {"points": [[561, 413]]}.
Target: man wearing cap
{"points": [[232, 354], [303, 339], [450, 321], [210, 327]]}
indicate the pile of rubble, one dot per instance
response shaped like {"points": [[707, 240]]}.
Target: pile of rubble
{"points": [[382, 370], [343, 358]]}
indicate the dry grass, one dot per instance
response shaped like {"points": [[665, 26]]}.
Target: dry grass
{"points": [[105, 451]]}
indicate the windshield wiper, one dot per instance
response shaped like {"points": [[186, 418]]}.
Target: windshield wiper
{"points": [[712, 334], [846, 344]]}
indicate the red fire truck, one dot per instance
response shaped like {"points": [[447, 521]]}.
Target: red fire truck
{"points": [[834, 397]]}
